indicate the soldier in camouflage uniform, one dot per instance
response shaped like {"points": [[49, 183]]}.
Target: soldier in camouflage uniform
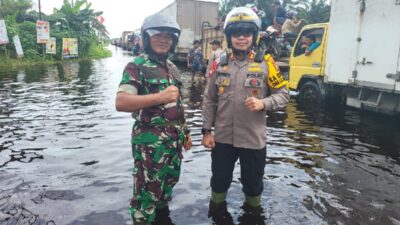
{"points": [[150, 90]]}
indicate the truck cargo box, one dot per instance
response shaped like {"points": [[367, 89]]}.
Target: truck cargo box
{"points": [[364, 44]]}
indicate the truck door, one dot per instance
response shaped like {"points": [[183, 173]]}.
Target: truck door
{"points": [[307, 63], [378, 44]]}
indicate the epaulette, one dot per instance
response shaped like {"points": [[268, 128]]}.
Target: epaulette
{"points": [[259, 56]]}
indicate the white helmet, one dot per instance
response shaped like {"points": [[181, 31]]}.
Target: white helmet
{"points": [[239, 19]]}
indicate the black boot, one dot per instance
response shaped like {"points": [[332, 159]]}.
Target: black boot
{"points": [[219, 214], [251, 215], [162, 217]]}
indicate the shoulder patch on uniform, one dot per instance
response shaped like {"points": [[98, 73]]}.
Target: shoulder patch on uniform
{"points": [[275, 78]]}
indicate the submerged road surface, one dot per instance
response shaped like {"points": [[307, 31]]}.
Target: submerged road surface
{"points": [[65, 156]]}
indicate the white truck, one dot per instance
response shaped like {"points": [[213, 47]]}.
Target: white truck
{"points": [[358, 59], [192, 16]]}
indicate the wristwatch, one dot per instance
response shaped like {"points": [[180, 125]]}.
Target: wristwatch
{"points": [[205, 131]]}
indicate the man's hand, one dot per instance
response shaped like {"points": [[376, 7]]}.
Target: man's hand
{"points": [[208, 141], [170, 94], [254, 104], [188, 143]]}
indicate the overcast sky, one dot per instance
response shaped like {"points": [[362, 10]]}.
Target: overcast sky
{"points": [[119, 15]]}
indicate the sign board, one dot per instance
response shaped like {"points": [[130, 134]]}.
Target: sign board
{"points": [[43, 32], [70, 48], [51, 46], [18, 47], [3, 32]]}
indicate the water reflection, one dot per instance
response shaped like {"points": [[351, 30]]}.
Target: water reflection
{"points": [[65, 156]]}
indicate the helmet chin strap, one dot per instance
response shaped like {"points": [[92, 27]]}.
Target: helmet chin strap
{"points": [[157, 57], [241, 53]]}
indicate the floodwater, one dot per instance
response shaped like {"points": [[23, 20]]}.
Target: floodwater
{"points": [[65, 156]]}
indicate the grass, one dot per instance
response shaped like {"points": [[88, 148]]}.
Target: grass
{"points": [[10, 64]]}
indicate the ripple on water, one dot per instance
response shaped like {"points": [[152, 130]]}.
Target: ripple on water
{"points": [[65, 156]]}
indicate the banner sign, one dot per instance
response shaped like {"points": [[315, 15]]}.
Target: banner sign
{"points": [[70, 48], [3, 33], [18, 47], [43, 32], [51, 46]]}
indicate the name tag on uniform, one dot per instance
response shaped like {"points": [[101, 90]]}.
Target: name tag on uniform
{"points": [[256, 75], [254, 87]]}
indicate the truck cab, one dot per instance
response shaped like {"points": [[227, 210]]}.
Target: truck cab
{"points": [[307, 68], [355, 63]]}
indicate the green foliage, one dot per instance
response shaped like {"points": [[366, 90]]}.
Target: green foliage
{"points": [[72, 20], [312, 11], [27, 36], [32, 54], [98, 51], [18, 7]]}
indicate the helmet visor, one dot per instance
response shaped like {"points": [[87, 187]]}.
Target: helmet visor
{"points": [[152, 32]]}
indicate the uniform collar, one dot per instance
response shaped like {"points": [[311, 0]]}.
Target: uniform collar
{"points": [[241, 63], [158, 59]]}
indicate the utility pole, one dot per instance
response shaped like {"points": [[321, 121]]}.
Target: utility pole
{"points": [[0, 11], [40, 11]]}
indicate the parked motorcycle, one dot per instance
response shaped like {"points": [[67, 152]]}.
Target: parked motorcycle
{"points": [[269, 43], [276, 44]]}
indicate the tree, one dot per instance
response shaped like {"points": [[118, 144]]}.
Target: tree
{"points": [[312, 11], [77, 19], [18, 7]]}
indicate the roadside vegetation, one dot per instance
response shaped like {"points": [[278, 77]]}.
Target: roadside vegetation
{"points": [[75, 19], [311, 11]]}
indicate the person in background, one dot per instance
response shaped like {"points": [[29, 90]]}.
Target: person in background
{"points": [[195, 59], [235, 103], [291, 27], [279, 14], [315, 44], [149, 89], [216, 48], [136, 46], [309, 40]]}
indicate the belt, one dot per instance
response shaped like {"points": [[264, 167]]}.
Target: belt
{"points": [[166, 124]]}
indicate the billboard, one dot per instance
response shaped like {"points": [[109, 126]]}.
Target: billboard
{"points": [[51, 46], [18, 47], [3, 33], [70, 48], [43, 32]]}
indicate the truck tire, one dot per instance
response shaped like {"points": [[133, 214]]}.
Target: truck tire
{"points": [[310, 95]]}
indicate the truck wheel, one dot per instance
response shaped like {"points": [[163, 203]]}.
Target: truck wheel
{"points": [[310, 95]]}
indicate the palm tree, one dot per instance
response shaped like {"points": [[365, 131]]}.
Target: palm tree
{"points": [[314, 11]]}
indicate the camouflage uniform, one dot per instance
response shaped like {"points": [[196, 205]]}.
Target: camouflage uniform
{"points": [[157, 136]]}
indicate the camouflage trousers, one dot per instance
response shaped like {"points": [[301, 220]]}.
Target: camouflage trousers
{"points": [[157, 160]]}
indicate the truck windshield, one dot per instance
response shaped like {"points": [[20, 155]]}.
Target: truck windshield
{"points": [[308, 41]]}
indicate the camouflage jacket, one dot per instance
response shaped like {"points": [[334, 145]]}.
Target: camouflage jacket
{"points": [[147, 75]]}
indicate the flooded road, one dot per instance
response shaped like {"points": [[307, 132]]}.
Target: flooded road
{"points": [[65, 156]]}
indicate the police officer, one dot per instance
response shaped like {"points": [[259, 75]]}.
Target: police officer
{"points": [[149, 89], [235, 103]]}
